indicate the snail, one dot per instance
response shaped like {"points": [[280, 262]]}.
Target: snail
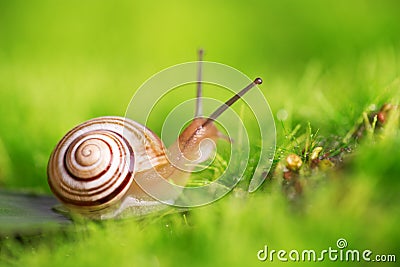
{"points": [[95, 168]]}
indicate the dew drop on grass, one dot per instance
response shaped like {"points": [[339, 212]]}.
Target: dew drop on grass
{"points": [[282, 114], [372, 107]]}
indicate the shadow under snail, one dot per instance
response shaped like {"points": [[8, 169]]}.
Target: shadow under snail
{"points": [[95, 167]]}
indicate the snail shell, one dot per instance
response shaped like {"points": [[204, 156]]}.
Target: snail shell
{"points": [[93, 167]]}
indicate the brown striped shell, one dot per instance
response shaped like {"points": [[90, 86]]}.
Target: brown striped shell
{"points": [[93, 166]]}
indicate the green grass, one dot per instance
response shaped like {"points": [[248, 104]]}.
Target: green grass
{"points": [[323, 62]]}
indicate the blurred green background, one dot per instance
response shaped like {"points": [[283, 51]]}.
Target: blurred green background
{"points": [[323, 62]]}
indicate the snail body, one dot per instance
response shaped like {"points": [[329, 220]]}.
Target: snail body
{"points": [[100, 167], [94, 167]]}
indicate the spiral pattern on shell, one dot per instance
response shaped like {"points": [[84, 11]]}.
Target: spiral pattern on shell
{"points": [[93, 166]]}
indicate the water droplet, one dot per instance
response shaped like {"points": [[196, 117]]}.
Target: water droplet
{"points": [[282, 114]]}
